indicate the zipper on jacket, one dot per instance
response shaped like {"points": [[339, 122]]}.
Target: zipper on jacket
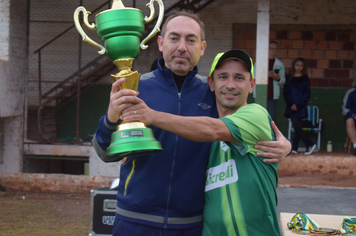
{"points": [[130, 175], [173, 163]]}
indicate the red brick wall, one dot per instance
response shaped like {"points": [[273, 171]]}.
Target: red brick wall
{"points": [[328, 50]]}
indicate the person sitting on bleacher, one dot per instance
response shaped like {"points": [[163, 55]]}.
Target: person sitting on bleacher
{"points": [[348, 109]]}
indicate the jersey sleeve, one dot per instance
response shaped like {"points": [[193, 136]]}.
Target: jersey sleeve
{"points": [[248, 125]]}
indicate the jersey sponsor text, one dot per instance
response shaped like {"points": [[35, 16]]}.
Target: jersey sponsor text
{"points": [[221, 175]]}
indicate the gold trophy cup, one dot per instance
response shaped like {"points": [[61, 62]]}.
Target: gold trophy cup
{"points": [[120, 29]]}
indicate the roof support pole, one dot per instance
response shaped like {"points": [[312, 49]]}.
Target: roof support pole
{"points": [[262, 43]]}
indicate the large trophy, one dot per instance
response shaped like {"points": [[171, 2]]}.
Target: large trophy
{"points": [[121, 28]]}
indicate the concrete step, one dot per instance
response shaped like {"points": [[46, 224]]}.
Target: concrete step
{"points": [[319, 170], [59, 183], [321, 163]]}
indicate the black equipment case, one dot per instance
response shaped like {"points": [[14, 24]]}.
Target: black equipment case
{"points": [[102, 211]]}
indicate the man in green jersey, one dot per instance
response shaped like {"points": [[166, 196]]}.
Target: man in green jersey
{"points": [[240, 190]]}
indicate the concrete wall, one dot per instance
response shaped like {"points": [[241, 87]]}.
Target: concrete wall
{"points": [[4, 58], [5, 25], [321, 165], [96, 165], [13, 78], [59, 183], [4, 55]]}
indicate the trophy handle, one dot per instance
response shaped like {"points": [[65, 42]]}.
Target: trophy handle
{"points": [[150, 18], [90, 26]]}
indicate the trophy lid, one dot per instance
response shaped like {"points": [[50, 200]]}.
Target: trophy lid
{"points": [[117, 5]]}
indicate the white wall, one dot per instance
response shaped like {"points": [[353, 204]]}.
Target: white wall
{"points": [[4, 25], [4, 56], [13, 145], [13, 79]]}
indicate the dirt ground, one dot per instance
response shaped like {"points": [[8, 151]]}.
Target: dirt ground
{"points": [[44, 214], [57, 214]]}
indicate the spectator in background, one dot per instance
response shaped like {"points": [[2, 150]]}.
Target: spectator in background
{"points": [[296, 94], [276, 78], [349, 111]]}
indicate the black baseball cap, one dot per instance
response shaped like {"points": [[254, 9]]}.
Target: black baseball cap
{"points": [[236, 54]]}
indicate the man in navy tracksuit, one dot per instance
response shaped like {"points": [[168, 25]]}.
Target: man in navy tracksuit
{"points": [[163, 193]]}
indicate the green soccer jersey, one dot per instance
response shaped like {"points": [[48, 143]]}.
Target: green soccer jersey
{"points": [[240, 190]]}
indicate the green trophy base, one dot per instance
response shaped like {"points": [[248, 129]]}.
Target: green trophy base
{"points": [[132, 139]]}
